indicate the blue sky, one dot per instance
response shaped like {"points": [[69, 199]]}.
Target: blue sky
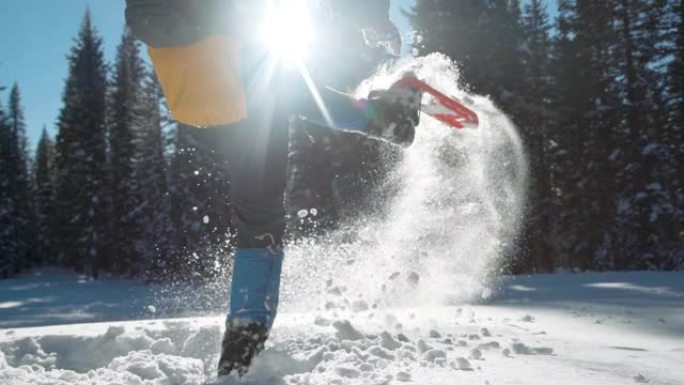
{"points": [[35, 38]]}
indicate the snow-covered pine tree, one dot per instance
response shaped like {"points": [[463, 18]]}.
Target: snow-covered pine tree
{"points": [[81, 161], [126, 114], [7, 226], [502, 69], [44, 205], [200, 208], [642, 197], [15, 209], [535, 119], [674, 98], [453, 28], [666, 144], [152, 179], [567, 143], [587, 116]]}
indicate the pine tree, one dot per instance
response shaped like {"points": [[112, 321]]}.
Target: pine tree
{"points": [[504, 34], [452, 28], [15, 211], [638, 23], [535, 120], [7, 225], [44, 205], [81, 156], [126, 113], [200, 208], [152, 179], [673, 135], [587, 117]]}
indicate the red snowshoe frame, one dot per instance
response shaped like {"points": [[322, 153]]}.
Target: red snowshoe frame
{"points": [[447, 110]]}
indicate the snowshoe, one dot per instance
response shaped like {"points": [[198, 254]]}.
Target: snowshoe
{"points": [[448, 110], [241, 343], [396, 114]]}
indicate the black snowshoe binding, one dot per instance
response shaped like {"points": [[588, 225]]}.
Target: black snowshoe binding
{"points": [[397, 113], [241, 343]]}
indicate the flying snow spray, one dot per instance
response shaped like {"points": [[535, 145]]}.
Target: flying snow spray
{"points": [[459, 200]]}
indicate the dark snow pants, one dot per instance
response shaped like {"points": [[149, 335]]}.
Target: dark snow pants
{"points": [[256, 152]]}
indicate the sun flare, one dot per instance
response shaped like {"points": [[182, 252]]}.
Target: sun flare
{"points": [[287, 30]]}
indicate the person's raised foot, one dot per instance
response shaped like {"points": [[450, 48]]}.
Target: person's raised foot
{"points": [[396, 113]]}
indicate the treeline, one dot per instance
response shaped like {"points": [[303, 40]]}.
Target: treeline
{"points": [[597, 94], [120, 189]]}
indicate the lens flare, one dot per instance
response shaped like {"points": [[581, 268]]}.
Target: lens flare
{"points": [[287, 30]]}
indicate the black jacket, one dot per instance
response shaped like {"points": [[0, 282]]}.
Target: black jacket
{"points": [[165, 23]]}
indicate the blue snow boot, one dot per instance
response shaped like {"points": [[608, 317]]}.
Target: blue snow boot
{"points": [[253, 305]]}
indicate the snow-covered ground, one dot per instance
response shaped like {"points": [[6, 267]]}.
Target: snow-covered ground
{"points": [[613, 328]]}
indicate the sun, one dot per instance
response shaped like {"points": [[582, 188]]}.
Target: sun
{"points": [[287, 30]]}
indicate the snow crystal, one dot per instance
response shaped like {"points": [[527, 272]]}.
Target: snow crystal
{"points": [[302, 213], [205, 219]]}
